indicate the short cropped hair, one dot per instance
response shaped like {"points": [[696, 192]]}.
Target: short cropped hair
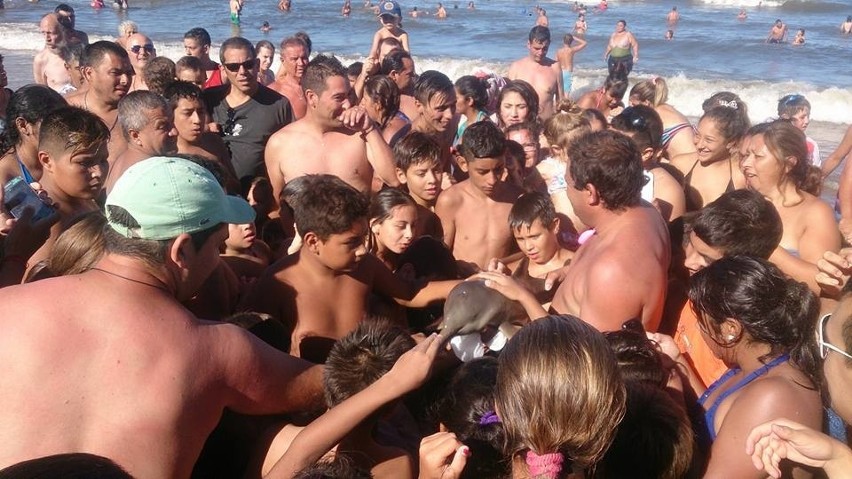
{"points": [[182, 89], [94, 53], [532, 206], [236, 43], [135, 108], [159, 72], [188, 63], [69, 465], [612, 163], [393, 61], [431, 83], [306, 39], [292, 42], [361, 357], [264, 44], [539, 34], [198, 34], [72, 128], [326, 205], [740, 222], [483, 140], [414, 149], [320, 69]]}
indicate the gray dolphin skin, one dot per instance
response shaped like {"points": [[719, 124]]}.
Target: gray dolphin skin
{"points": [[471, 306]]}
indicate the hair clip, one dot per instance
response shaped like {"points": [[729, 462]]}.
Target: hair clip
{"points": [[728, 104], [489, 417]]}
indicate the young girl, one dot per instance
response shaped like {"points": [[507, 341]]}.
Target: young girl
{"points": [[381, 100], [677, 137], [713, 170], [246, 255], [471, 103], [608, 98], [775, 165], [560, 397], [390, 17], [265, 53], [393, 219], [517, 102], [644, 126]]}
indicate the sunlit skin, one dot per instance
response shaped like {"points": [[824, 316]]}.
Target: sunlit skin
{"points": [[538, 50], [342, 252], [760, 168], [437, 115], [395, 233], [189, 118], [486, 174], [711, 144], [240, 237], [424, 181], [537, 242], [513, 109], [801, 120]]}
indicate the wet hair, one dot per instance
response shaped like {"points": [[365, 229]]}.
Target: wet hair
{"points": [[64, 7], [126, 25], [200, 35], [430, 84], [566, 122], [532, 206], [340, 467], [79, 247], [383, 91], [654, 439], [306, 40], [783, 140], [467, 410], [474, 88], [643, 124], [76, 465], [326, 205], [383, 203], [790, 105], [32, 103], [559, 391], [482, 140], [771, 308], [188, 63], [616, 86], [354, 69], [593, 114], [182, 89], [94, 53], [159, 72], [539, 34], [612, 163], [639, 358], [264, 44], [568, 39], [361, 357], [414, 149], [740, 222], [729, 122], [320, 69], [236, 43], [527, 93], [393, 61], [728, 100], [73, 129], [134, 110], [654, 91]]}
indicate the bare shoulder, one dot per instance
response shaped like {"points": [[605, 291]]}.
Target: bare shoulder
{"points": [[76, 98], [451, 197], [815, 206]]}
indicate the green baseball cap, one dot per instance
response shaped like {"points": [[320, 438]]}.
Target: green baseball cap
{"points": [[171, 196]]}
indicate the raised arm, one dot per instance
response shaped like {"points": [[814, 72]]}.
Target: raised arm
{"points": [[842, 151]]}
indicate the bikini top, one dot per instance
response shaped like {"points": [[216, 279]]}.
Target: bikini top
{"points": [[687, 180], [710, 414]]}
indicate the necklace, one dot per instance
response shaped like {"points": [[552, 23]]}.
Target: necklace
{"points": [[160, 287], [86, 106]]}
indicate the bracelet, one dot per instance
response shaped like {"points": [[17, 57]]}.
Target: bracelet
{"points": [[14, 258]]}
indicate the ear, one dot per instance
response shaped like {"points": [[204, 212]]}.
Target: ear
{"points": [[791, 163], [731, 331], [418, 105], [87, 73], [312, 98], [400, 175], [554, 228], [206, 49], [593, 197], [182, 251], [23, 126], [134, 137], [45, 160], [374, 226], [311, 241], [647, 155], [462, 161]]}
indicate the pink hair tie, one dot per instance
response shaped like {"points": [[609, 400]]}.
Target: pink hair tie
{"points": [[546, 465]]}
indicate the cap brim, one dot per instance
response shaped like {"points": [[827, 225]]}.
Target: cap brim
{"points": [[236, 210]]}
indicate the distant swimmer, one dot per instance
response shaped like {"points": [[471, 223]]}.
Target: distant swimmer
{"points": [[265, 27], [800, 37], [471, 6], [284, 5], [580, 26], [441, 12], [565, 56], [602, 7], [778, 32], [669, 35], [97, 4], [542, 20], [236, 8], [347, 9], [120, 4], [846, 27], [414, 13], [742, 15], [672, 17]]}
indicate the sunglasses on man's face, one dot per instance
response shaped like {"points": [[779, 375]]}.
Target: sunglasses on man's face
{"points": [[138, 48], [235, 67], [825, 346]]}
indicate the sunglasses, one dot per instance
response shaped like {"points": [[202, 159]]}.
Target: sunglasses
{"points": [[235, 67], [825, 346], [228, 127], [634, 118], [137, 48], [791, 99]]}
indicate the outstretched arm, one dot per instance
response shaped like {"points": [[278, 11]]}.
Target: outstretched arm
{"points": [[779, 439]]}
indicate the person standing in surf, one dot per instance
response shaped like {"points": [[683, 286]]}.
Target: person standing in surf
{"points": [[618, 51], [778, 32]]}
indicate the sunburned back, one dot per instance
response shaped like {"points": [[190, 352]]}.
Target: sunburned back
{"points": [[106, 374], [620, 273]]}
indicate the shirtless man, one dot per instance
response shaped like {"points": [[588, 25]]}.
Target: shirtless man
{"points": [[236, 7], [673, 17], [143, 381], [541, 72], [542, 20], [294, 59], [48, 66], [474, 213], [147, 124], [778, 32], [571, 45], [620, 271], [108, 73], [333, 137], [846, 27], [72, 152], [140, 50], [196, 43], [68, 19]]}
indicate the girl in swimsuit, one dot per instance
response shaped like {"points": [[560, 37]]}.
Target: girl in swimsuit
{"points": [[606, 99], [774, 163], [759, 322], [713, 170], [677, 138], [381, 100]]}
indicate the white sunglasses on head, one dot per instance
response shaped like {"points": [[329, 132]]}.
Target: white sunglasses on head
{"points": [[825, 346]]}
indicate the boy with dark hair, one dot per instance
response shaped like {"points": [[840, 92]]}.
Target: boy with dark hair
{"points": [[540, 71], [435, 101], [331, 217], [473, 212], [196, 43], [418, 166], [190, 69]]}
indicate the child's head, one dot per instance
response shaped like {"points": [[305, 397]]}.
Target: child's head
{"points": [[566, 123], [381, 99], [435, 98], [484, 147], [341, 466], [568, 39], [653, 92], [393, 219], [331, 216], [189, 112], [797, 109], [526, 134], [361, 357], [669, 34], [387, 45], [597, 120], [471, 94], [467, 410], [190, 69], [559, 394], [241, 237], [728, 100], [535, 225], [719, 133], [159, 73], [645, 127], [418, 165], [389, 14]]}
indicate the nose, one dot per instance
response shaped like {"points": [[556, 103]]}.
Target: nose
{"points": [[361, 251], [346, 104], [408, 232]]}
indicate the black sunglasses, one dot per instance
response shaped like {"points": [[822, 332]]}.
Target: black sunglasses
{"points": [[137, 48], [247, 65], [228, 127]]}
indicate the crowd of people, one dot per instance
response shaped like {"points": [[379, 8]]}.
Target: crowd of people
{"points": [[367, 270]]}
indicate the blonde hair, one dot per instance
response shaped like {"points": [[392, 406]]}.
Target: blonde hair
{"points": [[567, 122], [559, 390], [79, 247], [654, 91]]}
